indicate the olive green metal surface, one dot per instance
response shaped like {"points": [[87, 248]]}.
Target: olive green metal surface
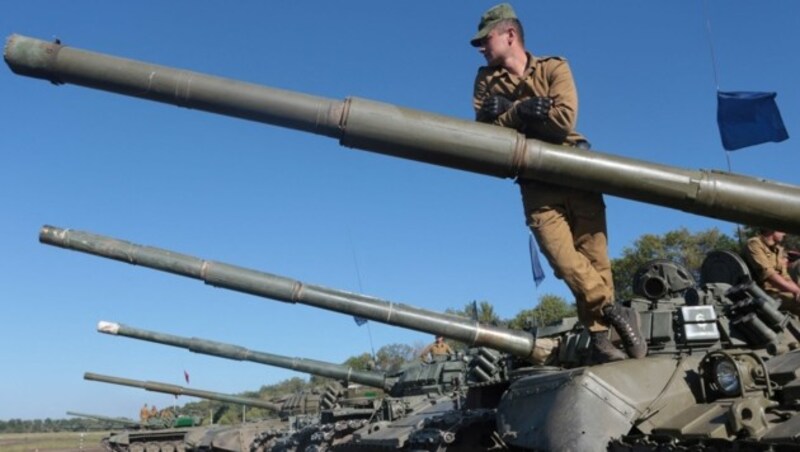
{"points": [[254, 282], [229, 351], [167, 388], [437, 139]]}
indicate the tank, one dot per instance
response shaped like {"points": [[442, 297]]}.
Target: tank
{"points": [[170, 433], [720, 370], [419, 390], [721, 367], [440, 140], [297, 411], [167, 431], [215, 437]]}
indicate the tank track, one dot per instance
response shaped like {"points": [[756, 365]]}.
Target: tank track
{"points": [[314, 437], [462, 431], [149, 446], [653, 443]]}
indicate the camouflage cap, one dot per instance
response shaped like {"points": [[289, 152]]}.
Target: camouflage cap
{"points": [[490, 18]]}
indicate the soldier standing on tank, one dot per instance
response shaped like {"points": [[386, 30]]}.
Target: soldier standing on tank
{"points": [[537, 97], [438, 348], [768, 260], [144, 414]]}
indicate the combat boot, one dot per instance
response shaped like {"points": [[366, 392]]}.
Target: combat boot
{"points": [[603, 351], [626, 323]]}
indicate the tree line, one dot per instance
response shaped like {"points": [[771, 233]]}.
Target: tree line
{"points": [[51, 425]]}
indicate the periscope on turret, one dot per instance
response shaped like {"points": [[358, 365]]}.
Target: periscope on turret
{"points": [[440, 140], [296, 411]]}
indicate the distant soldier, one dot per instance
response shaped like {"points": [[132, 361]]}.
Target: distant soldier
{"points": [[144, 414], [437, 349], [167, 416], [154, 412]]}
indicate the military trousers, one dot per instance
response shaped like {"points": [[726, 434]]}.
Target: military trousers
{"points": [[570, 227]]}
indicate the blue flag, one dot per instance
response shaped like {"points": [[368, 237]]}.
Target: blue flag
{"points": [[748, 118], [536, 266], [359, 320]]}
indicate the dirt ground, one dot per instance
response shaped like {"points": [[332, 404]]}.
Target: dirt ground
{"points": [[51, 442]]}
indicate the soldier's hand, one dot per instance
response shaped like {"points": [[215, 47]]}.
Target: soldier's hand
{"points": [[535, 108], [494, 106]]}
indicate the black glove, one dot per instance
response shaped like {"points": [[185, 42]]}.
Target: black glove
{"points": [[535, 108], [493, 107]]}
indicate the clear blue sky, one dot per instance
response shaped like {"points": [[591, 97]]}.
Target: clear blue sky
{"points": [[302, 206]]}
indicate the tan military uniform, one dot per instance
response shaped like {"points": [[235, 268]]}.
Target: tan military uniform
{"points": [[765, 261], [543, 77], [436, 349], [569, 224]]}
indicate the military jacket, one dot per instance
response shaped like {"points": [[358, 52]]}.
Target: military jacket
{"points": [[437, 350], [543, 77]]}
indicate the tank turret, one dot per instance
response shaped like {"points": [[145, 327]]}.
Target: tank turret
{"points": [[167, 388], [436, 139]]}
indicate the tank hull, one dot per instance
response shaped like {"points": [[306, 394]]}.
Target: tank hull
{"points": [[585, 408]]}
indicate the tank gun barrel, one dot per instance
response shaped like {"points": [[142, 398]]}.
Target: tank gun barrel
{"points": [[116, 420], [437, 139], [280, 288], [235, 352], [167, 388]]}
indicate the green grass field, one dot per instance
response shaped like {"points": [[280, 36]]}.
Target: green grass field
{"points": [[51, 442]]}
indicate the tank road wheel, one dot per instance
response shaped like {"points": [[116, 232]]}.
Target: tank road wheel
{"points": [[106, 444], [152, 447], [168, 447], [138, 447]]}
